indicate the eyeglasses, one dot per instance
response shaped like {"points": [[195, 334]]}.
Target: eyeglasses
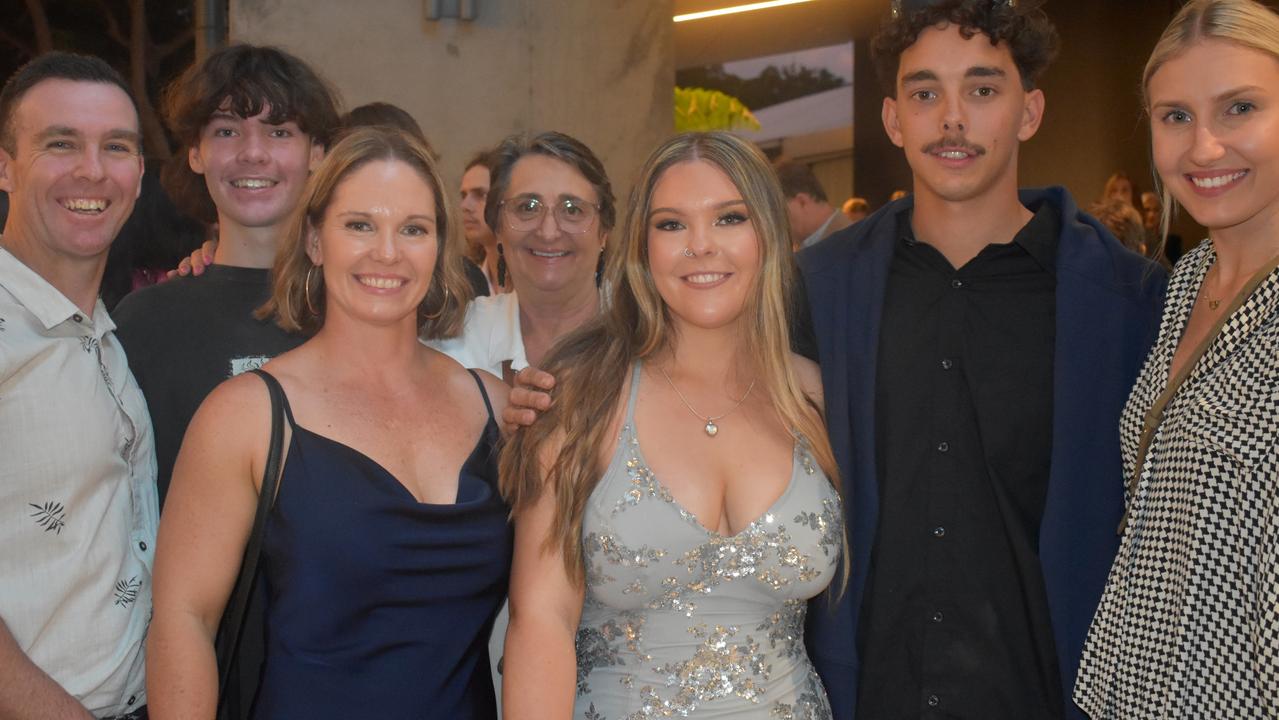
{"points": [[525, 213]]}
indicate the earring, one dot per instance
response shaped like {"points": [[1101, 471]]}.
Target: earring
{"points": [[443, 304], [599, 267], [689, 253], [501, 266], [306, 290]]}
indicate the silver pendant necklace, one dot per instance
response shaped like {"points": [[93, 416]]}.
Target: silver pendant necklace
{"points": [[711, 428]]}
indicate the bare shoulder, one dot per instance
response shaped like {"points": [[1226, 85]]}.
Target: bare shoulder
{"points": [[459, 379], [498, 391], [809, 374], [243, 399]]}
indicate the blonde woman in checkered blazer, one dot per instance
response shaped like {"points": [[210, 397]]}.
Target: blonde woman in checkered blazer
{"points": [[1188, 626]]}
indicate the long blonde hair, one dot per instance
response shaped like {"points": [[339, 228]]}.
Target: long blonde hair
{"points": [[1246, 23], [591, 365], [297, 298]]}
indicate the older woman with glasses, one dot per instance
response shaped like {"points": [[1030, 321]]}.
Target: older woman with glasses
{"points": [[551, 206]]}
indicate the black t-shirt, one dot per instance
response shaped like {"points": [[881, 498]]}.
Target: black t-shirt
{"points": [[955, 618], [186, 335]]}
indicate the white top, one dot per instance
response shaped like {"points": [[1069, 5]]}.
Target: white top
{"points": [[78, 509], [490, 336]]}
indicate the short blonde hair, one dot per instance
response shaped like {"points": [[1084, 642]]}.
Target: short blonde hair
{"points": [[299, 307]]}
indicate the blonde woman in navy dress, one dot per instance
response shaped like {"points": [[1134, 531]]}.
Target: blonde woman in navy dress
{"points": [[387, 550], [1188, 625], [674, 509]]}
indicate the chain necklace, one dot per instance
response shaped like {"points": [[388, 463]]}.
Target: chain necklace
{"points": [[1212, 304], [711, 428]]}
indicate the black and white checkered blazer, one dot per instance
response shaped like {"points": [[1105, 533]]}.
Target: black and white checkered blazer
{"points": [[1188, 626]]}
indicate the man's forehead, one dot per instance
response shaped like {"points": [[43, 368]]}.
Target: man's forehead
{"points": [[83, 106]]}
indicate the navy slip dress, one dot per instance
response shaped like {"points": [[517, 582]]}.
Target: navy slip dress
{"points": [[379, 605]]}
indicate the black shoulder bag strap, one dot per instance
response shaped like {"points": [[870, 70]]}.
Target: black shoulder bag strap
{"points": [[228, 641]]}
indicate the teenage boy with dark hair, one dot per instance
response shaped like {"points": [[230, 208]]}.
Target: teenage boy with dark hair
{"points": [[977, 344], [255, 122]]}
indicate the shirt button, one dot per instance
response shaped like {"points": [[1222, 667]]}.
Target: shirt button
{"points": [[132, 699], [939, 532], [957, 283], [142, 544], [943, 446], [946, 364], [933, 701], [937, 617], [78, 317]]}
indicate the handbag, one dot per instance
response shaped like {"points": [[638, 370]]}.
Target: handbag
{"points": [[232, 705]]}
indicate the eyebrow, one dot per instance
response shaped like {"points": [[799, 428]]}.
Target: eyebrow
{"points": [[985, 71], [67, 131], [1236, 91], [716, 206], [919, 76], [363, 214]]}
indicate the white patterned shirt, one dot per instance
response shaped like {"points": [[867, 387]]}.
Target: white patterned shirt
{"points": [[78, 510]]}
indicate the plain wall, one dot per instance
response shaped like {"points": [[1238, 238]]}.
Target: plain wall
{"points": [[601, 71]]}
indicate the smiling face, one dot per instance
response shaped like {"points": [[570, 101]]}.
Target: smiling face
{"points": [[76, 172], [378, 244], [960, 113], [255, 171], [698, 211], [547, 259], [1215, 131]]}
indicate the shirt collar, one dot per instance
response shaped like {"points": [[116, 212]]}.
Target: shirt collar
{"points": [[1038, 237], [42, 299]]}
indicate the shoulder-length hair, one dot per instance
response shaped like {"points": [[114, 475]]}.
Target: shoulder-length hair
{"points": [[298, 297], [592, 364], [1245, 23]]}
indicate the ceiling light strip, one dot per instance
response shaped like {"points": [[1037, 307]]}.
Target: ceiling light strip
{"points": [[736, 9]]}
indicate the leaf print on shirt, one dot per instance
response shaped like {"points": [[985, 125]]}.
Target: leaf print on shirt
{"points": [[51, 516], [126, 591]]}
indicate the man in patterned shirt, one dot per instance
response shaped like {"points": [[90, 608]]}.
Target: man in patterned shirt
{"points": [[78, 507]]}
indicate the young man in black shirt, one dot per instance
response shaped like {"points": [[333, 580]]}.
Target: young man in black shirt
{"points": [[977, 344], [255, 122]]}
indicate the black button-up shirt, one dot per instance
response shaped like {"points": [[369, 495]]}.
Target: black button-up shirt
{"points": [[955, 620]]}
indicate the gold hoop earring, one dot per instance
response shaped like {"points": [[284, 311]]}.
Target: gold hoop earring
{"points": [[443, 304], [306, 290]]}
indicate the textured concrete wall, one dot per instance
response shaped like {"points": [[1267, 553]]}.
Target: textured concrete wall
{"points": [[600, 70]]}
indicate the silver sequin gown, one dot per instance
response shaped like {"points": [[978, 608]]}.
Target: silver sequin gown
{"points": [[680, 621]]}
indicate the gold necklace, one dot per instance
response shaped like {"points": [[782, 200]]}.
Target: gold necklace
{"points": [[711, 428], [1212, 304]]}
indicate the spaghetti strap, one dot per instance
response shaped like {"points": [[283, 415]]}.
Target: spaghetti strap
{"points": [[275, 386], [630, 403], [483, 393]]}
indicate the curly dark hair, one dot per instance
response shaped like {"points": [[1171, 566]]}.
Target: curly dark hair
{"points": [[1030, 35]]}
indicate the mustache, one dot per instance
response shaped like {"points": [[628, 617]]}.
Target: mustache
{"points": [[954, 142]]}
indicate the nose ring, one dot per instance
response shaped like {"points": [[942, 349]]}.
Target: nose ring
{"points": [[689, 253]]}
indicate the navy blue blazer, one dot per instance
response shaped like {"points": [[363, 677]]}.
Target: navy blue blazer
{"points": [[1108, 307]]}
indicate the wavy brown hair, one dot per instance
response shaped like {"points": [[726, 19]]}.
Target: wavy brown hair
{"points": [[591, 365], [442, 310]]}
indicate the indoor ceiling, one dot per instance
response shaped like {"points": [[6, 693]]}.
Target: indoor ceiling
{"points": [[786, 28]]}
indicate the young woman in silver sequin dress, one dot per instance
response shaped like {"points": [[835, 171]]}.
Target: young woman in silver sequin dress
{"points": [[1188, 625], [674, 509]]}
